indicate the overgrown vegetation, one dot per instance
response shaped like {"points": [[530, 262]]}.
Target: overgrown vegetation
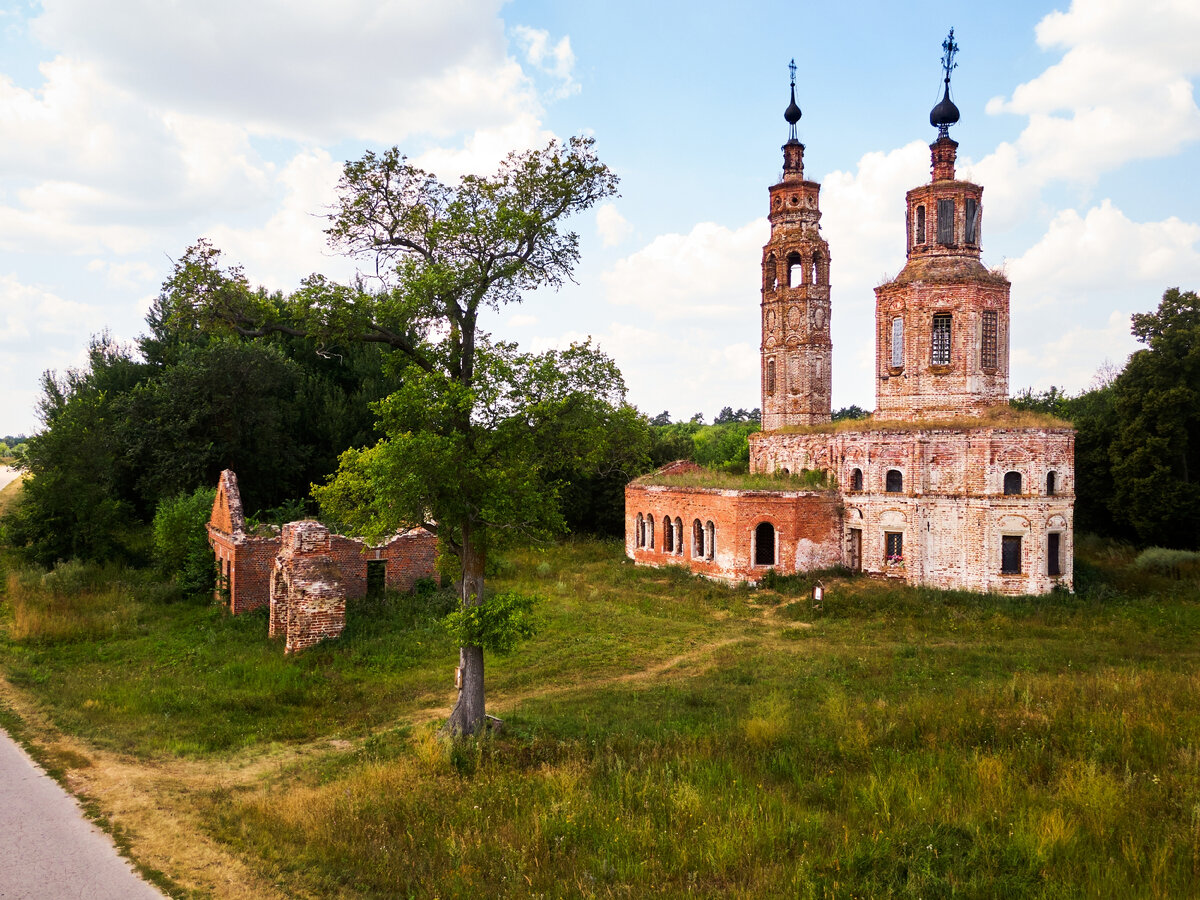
{"points": [[804, 480], [671, 736]]}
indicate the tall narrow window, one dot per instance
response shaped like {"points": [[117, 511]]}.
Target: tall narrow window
{"points": [[650, 530], [1012, 482], [1053, 563], [816, 268], [711, 545], [940, 345], [1010, 554], [795, 270], [894, 481], [764, 544], [770, 376], [639, 532], [972, 232], [668, 535], [920, 224], [897, 343], [988, 346], [893, 547], [1050, 484], [770, 274], [678, 536], [945, 222], [697, 540], [856, 480]]}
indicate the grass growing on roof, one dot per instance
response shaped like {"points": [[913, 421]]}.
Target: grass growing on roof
{"points": [[1000, 416], [670, 736], [804, 480]]}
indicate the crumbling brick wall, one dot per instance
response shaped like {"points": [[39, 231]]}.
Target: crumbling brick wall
{"points": [[308, 596]]}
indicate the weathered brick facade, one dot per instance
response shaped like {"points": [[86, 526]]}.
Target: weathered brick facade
{"points": [[308, 594], [937, 488], [247, 561]]}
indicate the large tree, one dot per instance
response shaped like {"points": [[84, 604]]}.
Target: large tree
{"points": [[478, 430]]}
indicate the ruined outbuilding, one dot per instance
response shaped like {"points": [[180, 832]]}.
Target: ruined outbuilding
{"points": [[247, 560], [308, 593]]}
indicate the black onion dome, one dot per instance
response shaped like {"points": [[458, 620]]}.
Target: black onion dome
{"points": [[792, 114], [945, 113]]}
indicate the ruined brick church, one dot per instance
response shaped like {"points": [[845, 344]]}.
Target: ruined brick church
{"points": [[942, 486]]}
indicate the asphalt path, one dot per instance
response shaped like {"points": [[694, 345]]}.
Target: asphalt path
{"points": [[7, 474]]}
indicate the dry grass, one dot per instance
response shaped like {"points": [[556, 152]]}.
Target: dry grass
{"points": [[809, 480], [10, 494], [997, 417]]}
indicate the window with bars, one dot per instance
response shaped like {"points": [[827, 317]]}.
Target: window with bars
{"points": [[897, 343], [972, 232], [1010, 554], [920, 224], [940, 353], [945, 222], [893, 546], [988, 348]]}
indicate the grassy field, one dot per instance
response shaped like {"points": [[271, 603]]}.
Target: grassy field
{"points": [[665, 736]]}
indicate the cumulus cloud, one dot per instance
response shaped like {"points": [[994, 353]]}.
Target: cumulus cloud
{"points": [[557, 60], [611, 225]]}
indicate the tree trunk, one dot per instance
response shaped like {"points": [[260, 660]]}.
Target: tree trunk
{"points": [[469, 714]]}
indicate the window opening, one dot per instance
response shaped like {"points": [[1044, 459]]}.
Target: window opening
{"points": [[712, 538], [764, 544], [795, 270], [920, 224], [897, 342], [893, 547], [972, 235], [1050, 485], [855, 549], [894, 481], [856, 480], [668, 535], [1053, 564], [940, 355], [770, 376], [376, 577], [650, 530], [945, 222], [770, 277], [1010, 554], [678, 537], [1012, 482], [816, 268], [697, 540], [988, 349], [639, 532]]}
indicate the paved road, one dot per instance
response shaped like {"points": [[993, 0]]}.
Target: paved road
{"points": [[7, 474], [48, 850]]}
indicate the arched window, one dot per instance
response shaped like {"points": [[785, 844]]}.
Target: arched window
{"points": [[770, 274], [650, 530], [940, 343], [697, 540], [639, 532], [920, 224], [784, 471], [668, 535], [816, 268], [678, 536], [711, 544], [897, 342], [764, 544], [1012, 482], [770, 376], [856, 480], [894, 481], [795, 270], [945, 222], [1050, 485]]}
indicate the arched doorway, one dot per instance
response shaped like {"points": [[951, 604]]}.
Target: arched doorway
{"points": [[764, 544]]}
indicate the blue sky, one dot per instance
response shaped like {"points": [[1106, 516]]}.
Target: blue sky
{"points": [[130, 128]]}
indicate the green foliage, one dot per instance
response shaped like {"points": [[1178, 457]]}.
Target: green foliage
{"points": [[851, 412], [804, 480], [181, 548], [1165, 561], [498, 624], [724, 447]]}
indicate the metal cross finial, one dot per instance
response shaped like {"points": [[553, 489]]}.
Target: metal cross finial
{"points": [[792, 67], [949, 48]]}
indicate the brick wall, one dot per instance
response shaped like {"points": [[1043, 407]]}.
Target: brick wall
{"points": [[308, 594]]}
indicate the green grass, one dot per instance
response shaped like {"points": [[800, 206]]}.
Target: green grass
{"points": [[805, 480], [667, 736]]}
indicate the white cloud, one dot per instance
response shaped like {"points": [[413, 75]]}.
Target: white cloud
{"points": [[30, 313], [711, 272], [611, 225], [521, 320], [131, 275], [557, 61]]}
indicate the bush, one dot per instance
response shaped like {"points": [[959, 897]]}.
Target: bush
{"points": [[181, 548], [1165, 561]]}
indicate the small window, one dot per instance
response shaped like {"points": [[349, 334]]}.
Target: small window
{"points": [[678, 537], [1012, 482], [940, 344], [764, 544], [1010, 554], [770, 277], [897, 343], [639, 532], [972, 233], [1053, 557], [920, 224], [711, 544], [893, 547], [770, 376], [945, 222], [1050, 485], [650, 530], [795, 270], [668, 535], [988, 344], [894, 481], [856, 480], [697, 540], [816, 268]]}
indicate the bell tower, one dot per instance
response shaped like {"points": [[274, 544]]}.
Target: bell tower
{"points": [[796, 349], [941, 325]]}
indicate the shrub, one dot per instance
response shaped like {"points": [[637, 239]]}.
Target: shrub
{"points": [[1165, 561], [181, 547]]}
